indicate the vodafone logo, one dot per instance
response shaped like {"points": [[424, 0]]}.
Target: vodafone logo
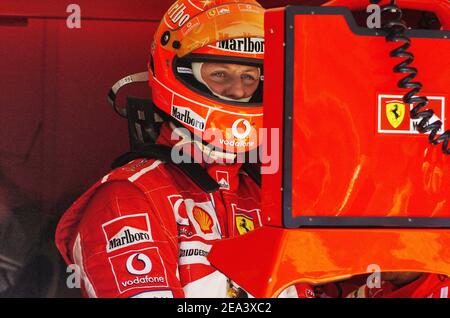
{"points": [[139, 269], [142, 258], [179, 209], [236, 130]]}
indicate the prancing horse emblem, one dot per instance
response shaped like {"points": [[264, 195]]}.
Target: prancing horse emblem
{"points": [[395, 112]]}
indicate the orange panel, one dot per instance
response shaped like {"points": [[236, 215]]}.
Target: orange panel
{"points": [[349, 160], [343, 154], [276, 258], [346, 161]]}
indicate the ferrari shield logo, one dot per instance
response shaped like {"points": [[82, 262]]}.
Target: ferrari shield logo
{"points": [[244, 224], [395, 112], [212, 13]]}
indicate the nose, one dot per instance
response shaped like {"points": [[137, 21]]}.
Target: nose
{"points": [[235, 90]]}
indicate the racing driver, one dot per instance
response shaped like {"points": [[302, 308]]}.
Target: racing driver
{"points": [[145, 229]]}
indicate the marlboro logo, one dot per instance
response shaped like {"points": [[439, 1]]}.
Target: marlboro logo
{"points": [[126, 231], [243, 45], [189, 117], [223, 10], [177, 14], [223, 179]]}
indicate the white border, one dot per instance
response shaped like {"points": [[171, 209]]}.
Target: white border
{"points": [[124, 217], [404, 132], [137, 251]]}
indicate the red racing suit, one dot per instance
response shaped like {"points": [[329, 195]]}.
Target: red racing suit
{"points": [[426, 286], [145, 230]]}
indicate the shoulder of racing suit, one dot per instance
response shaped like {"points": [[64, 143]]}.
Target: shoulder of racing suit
{"points": [[115, 216]]}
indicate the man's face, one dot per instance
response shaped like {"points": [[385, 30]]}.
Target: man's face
{"points": [[231, 80]]}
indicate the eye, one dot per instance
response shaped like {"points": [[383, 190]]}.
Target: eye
{"points": [[219, 74], [248, 77]]}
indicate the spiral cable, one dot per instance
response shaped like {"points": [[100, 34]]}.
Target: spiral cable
{"points": [[395, 28]]}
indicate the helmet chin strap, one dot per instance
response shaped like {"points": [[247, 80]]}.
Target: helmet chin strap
{"points": [[197, 71]]}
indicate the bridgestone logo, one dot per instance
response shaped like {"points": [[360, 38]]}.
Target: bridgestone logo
{"points": [[244, 45], [189, 117], [127, 238], [193, 252]]}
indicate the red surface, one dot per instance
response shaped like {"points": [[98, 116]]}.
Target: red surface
{"points": [[343, 165], [336, 83], [59, 134], [273, 114], [98, 9], [284, 257], [111, 9]]}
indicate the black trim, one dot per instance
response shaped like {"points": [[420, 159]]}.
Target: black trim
{"points": [[165, 38], [287, 121], [254, 171], [14, 21], [292, 11], [194, 171], [142, 127], [193, 57], [335, 222]]}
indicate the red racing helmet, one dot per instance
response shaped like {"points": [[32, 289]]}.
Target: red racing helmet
{"points": [[218, 31]]}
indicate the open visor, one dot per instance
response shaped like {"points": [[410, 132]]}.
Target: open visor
{"points": [[184, 73]]}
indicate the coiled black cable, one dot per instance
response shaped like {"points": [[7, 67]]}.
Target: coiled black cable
{"points": [[395, 28]]}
